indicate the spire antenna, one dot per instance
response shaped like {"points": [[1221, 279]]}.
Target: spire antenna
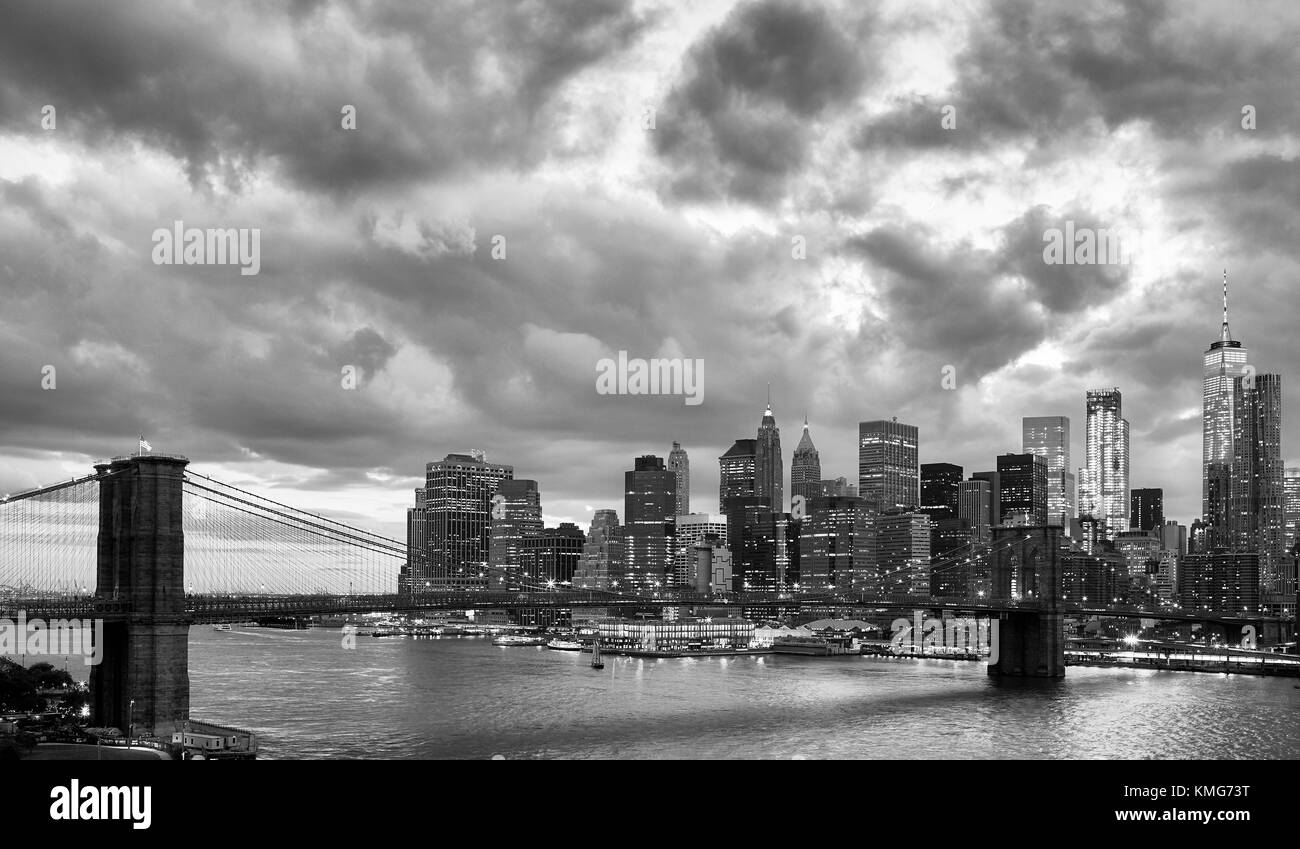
{"points": [[1223, 333]]}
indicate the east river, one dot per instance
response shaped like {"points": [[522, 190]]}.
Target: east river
{"points": [[308, 697]]}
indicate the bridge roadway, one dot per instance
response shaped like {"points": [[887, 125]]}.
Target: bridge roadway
{"points": [[231, 608]]}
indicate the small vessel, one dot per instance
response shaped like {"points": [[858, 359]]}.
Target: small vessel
{"points": [[596, 662], [517, 640], [222, 626], [564, 645]]}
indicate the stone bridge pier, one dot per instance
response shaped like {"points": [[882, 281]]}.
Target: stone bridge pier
{"points": [[143, 679], [1026, 569]]}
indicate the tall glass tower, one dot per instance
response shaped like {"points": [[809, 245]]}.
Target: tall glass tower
{"points": [[1224, 361], [1103, 482], [1049, 438], [1257, 499]]}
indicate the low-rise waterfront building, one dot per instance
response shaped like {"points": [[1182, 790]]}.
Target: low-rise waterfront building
{"points": [[655, 635]]}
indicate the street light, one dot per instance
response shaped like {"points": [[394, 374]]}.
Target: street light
{"points": [[130, 727]]}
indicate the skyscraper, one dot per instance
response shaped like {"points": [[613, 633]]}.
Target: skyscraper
{"points": [[649, 505], [680, 464], [1147, 509], [832, 543], [736, 477], [1223, 362], [902, 553], [1023, 479], [516, 517], [415, 575], [805, 467], [1173, 537], [888, 466], [602, 554], [973, 507], [1257, 497], [940, 484], [950, 557], [1049, 437], [995, 498], [691, 530], [1103, 482], [1291, 512], [553, 555], [458, 497], [757, 538], [769, 467], [1222, 581]]}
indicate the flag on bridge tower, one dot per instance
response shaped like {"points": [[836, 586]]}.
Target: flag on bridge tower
{"points": [[144, 446]]}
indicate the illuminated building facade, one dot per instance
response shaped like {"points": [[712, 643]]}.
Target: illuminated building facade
{"points": [[1257, 498], [649, 508], [834, 539], [693, 529], [974, 500], [737, 472], [601, 567], [888, 466], [458, 502], [1049, 438], [1223, 362], [1103, 482], [1023, 488], [516, 516]]}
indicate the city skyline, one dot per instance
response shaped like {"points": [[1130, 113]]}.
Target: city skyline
{"points": [[674, 241]]}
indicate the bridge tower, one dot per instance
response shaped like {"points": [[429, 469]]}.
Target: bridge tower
{"points": [[140, 595], [1027, 568]]}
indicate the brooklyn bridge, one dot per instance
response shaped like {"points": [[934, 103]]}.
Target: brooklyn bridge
{"points": [[150, 548]]}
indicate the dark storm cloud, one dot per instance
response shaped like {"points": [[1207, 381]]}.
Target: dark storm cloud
{"points": [[951, 301], [1256, 199], [740, 121], [366, 349], [137, 347], [225, 89], [1046, 72], [1060, 287], [468, 110]]}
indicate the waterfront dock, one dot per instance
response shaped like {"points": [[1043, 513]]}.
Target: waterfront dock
{"points": [[1259, 663], [685, 652]]}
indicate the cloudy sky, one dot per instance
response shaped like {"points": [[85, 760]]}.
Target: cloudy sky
{"points": [[527, 120]]}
